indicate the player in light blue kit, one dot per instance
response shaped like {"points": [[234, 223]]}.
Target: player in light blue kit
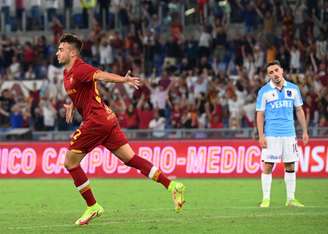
{"points": [[275, 123]]}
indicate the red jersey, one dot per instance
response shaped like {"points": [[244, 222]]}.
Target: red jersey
{"points": [[100, 125], [82, 89]]}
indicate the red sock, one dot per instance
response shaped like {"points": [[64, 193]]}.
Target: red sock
{"points": [[82, 184], [148, 170]]}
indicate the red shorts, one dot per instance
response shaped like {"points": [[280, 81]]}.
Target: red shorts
{"points": [[102, 130]]}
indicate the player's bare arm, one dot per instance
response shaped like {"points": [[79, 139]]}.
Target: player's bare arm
{"points": [[69, 112], [260, 125], [111, 77], [302, 120]]}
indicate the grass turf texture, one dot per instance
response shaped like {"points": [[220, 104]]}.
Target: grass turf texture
{"points": [[141, 206]]}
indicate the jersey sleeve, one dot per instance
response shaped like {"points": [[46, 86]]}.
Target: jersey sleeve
{"points": [[260, 101], [85, 72], [298, 98]]}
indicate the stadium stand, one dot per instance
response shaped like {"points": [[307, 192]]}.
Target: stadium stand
{"points": [[201, 62]]}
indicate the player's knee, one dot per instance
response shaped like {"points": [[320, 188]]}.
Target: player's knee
{"points": [[267, 168], [267, 171], [289, 168], [69, 163]]}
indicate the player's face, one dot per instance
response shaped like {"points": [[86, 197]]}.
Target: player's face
{"points": [[275, 73], [64, 53]]}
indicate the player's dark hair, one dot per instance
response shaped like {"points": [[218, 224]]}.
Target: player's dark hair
{"points": [[274, 62], [72, 40]]}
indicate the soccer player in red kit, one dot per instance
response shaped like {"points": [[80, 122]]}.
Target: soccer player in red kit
{"points": [[99, 126]]}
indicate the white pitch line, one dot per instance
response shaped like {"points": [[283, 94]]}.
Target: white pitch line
{"points": [[272, 207], [187, 208], [239, 208], [176, 220]]}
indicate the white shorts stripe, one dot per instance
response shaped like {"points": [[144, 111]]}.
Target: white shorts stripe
{"points": [[82, 186], [152, 172]]}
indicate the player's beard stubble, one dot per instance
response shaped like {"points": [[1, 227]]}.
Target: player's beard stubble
{"points": [[63, 61], [277, 80], [63, 58]]}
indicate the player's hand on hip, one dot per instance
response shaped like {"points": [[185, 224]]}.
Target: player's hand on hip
{"points": [[69, 112], [263, 142], [305, 138], [133, 81]]}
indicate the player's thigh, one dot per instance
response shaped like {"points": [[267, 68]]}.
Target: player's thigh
{"points": [[73, 158], [290, 149], [273, 152], [117, 143], [124, 153]]}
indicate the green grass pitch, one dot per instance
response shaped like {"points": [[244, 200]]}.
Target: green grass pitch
{"points": [[141, 206]]}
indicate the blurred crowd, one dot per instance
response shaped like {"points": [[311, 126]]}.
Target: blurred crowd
{"points": [[207, 77]]}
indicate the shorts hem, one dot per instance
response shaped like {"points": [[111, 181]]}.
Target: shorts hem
{"points": [[76, 151], [280, 161], [265, 161]]}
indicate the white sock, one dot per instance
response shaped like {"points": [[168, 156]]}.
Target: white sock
{"points": [[290, 180], [266, 180]]}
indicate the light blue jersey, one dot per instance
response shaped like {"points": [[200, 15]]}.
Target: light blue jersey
{"points": [[278, 107]]}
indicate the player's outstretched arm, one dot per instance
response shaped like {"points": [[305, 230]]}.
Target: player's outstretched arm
{"points": [[114, 78], [301, 119]]}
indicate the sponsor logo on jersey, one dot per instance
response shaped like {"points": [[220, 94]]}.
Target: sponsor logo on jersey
{"points": [[281, 104]]}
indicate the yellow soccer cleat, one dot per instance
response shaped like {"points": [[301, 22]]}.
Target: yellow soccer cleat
{"points": [[177, 190], [265, 203], [91, 212], [294, 203]]}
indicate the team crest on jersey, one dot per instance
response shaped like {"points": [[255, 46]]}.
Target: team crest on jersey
{"points": [[290, 94]]}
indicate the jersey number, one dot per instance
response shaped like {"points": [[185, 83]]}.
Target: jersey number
{"points": [[76, 135]]}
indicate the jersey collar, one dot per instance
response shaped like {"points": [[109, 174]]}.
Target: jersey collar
{"points": [[275, 87], [77, 60]]}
